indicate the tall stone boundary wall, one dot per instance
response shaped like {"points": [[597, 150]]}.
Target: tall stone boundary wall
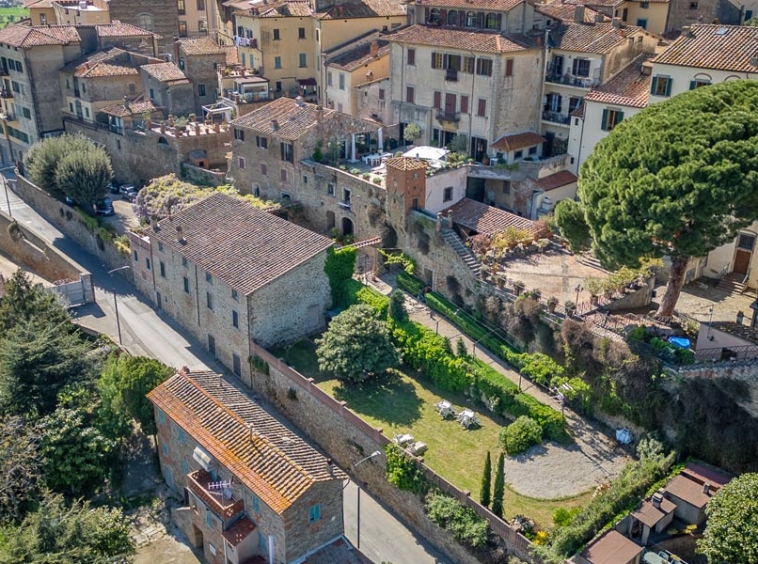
{"points": [[68, 221], [348, 439], [35, 254]]}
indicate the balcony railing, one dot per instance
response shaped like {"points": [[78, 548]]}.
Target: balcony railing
{"points": [[556, 117], [344, 204], [217, 495], [451, 75], [6, 94], [443, 115], [570, 80]]}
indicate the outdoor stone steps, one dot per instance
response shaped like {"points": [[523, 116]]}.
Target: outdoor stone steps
{"points": [[452, 239], [589, 260], [732, 283]]}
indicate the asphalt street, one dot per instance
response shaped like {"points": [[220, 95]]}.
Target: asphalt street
{"points": [[144, 332]]}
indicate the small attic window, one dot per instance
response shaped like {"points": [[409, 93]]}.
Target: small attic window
{"points": [[722, 31]]}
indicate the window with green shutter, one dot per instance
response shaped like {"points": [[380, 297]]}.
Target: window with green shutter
{"points": [[661, 86], [611, 118]]}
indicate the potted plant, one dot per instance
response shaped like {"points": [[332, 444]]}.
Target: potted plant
{"points": [[570, 307], [500, 281], [552, 303], [518, 287], [594, 286], [355, 171], [366, 175], [377, 180]]}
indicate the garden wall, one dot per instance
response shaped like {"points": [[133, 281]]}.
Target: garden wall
{"points": [[68, 221], [348, 439]]}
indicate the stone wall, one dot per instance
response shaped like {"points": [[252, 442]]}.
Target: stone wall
{"points": [[70, 223], [202, 176], [347, 439], [164, 15], [33, 253]]}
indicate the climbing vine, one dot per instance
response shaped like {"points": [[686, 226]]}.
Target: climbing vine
{"points": [[390, 258], [339, 267]]}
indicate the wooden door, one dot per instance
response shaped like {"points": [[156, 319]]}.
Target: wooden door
{"points": [[742, 261], [450, 100]]}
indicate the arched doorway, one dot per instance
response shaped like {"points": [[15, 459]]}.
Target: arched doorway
{"points": [[347, 226]]}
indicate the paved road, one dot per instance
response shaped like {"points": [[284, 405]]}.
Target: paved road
{"points": [[144, 332]]}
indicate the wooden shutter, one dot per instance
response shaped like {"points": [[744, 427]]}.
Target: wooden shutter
{"points": [[480, 18], [619, 117], [693, 85], [604, 123], [482, 108], [437, 99], [464, 104], [653, 84], [499, 21], [509, 67], [668, 87], [461, 18], [443, 17]]}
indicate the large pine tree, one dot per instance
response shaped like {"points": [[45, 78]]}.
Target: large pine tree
{"points": [[499, 493], [485, 494]]}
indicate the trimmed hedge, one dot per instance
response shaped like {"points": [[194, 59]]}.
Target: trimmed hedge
{"points": [[409, 283], [357, 293]]}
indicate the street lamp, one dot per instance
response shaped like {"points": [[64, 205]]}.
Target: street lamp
{"points": [[115, 303], [358, 503]]}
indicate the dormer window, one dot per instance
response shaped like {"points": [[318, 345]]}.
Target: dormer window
{"points": [[472, 19], [434, 15]]}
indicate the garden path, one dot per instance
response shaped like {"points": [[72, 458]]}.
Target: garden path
{"points": [[549, 470]]}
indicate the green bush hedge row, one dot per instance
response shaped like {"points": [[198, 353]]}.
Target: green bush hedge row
{"points": [[357, 293], [409, 283]]}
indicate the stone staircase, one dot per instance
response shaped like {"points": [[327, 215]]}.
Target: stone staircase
{"points": [[452, 239], [732, 283], [588, 259]]}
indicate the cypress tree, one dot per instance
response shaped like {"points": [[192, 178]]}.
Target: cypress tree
{"points": [[484, 495], [499, 493]]}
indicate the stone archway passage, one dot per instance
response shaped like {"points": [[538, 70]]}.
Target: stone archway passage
{"points": [[347, 226]]}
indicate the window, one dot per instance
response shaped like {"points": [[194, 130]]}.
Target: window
{"points": [[342, 81], [464, 104], [330, 189], [28, 114], [152, 94], [506, 186], [278, 85], [381, 93], [255, 502], [136, 256], [287, 152], [277, 62], [410, 94], [574, 103], [303, 61], [472, 20], [661, 86], [184, 262], [14, 86], [437, 60], [201, 5], [160, 246], [264, 169], [518, 154], [642, 22], [314, 513], [746, 241], [509, 67], [644, 5], [447, 194], [239, 134], [437, 100], [452, 62], [748, 15], [329, 78], [318, 36], [182, 29], [236, 365], [699, 82], [481, 109], [532, 150], [186, 285], [209, 518], [161, 417], [241, 162], [283, 175], [261, 142], [235, 295], [468, 65], [276, 35], [301, 33], [182, 8], [145, 21], [484, 67], [209, 277], [411, 56], [434, 15], [201, 90], [611, 118], [256, 192], [162, 266], [235, 319], [164, 449], [305, 179], [147, 263], [581, 67], [492, 21]]}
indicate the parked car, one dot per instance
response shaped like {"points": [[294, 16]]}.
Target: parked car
{"points": [[128, 192], [69, 201], [112, 188], [104, 206]]}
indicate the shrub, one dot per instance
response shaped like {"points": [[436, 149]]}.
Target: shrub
{"points": [[540, 368], [462, 522], [403, 472], [357, 293], [520, 435], [409, 283], [397, 307], [339, 267]]}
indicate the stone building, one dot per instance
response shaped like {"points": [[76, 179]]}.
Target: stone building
{"points": [[232, 274], [167, 86], [68, 12], [349, 70], [201, 59], [158, 16], [253, 487]]}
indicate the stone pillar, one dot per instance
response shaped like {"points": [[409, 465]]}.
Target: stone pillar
{"points": [[380, 144], [438, 225], [352, 144]]}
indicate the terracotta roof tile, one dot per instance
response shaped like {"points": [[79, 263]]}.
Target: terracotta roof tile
{"points": [[165, 72], [458, 38], [689, 490], [232, 56], [274, 463], [713, 46], [358, 56], [112, 62], [238, 532], [135, 107], [406, 163], [291, 119], [503, 5], [589, 38], [119, 29], [363, 9], [630, 87], [288, 8], [486, 219], [27, 37], [244, 247], [612, 548], [556, 180], [518, 141], [704, 474], [200, 46], [650, 515], [565, 12]]}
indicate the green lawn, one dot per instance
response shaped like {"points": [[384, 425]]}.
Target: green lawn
{"points": [[12, 15], [403, 404]]}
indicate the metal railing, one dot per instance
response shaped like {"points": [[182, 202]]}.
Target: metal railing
{"points": [[442, 115], [556, 117]]}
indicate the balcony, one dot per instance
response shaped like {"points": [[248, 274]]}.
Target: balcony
{"points": [[6, 94], [4, 70], [217, 495], [570, 80], [451, 75], [556, 117], [453, 117], [344, 204]]}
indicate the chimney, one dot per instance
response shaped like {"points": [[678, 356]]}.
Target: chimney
{"points": [[657, 500], [329, 465], [179, 236], [300, 102], [374, 48], [274, 125], [319, 113], [617, 23], [599, 18], [579, 14], [687, 31], [707, 488], [647, 68], [126, 102], [185, 370]]}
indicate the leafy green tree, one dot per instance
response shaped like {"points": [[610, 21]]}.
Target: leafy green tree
{"points": [[498, 494], [397, 307], [412, 132], [679, 179], [486, 494], [460, 348], [20, 469], [520, 435], [24, 302], [37, 359], [125, 383], [731, 532], [77, 455], [61, 534], [356, 345], [84, 176], [43, 158], [569, 215]]}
